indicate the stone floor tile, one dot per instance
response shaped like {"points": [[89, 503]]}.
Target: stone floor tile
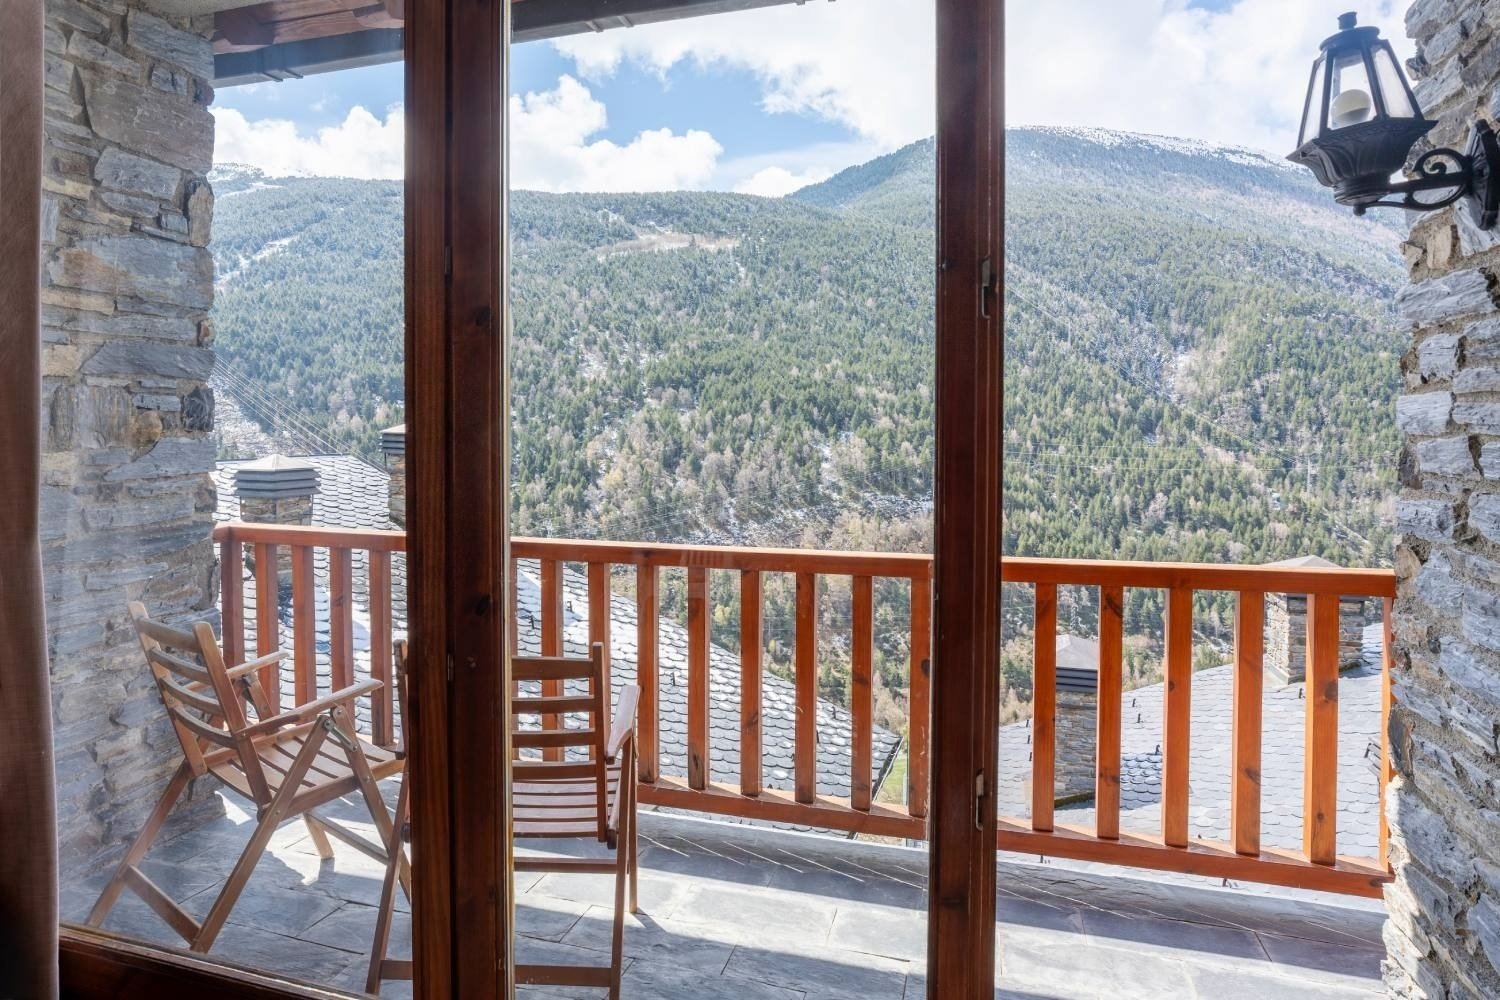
{"points": [[824, 972], [881, 930], [288, 956], [687, 946], [352, 928], [1320, 961], [1239, 984], [1086, 971], [657, 892], [751, 915], [1172, 938], [548, 918], [664, 981]]}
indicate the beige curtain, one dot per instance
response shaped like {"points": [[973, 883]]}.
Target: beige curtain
{"points": [[28, 838]]}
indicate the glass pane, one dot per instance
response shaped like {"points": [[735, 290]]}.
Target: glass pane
{"points": [[1392, 85], [224, 330], [724, 321], [1350, 101], [1310, 112]]}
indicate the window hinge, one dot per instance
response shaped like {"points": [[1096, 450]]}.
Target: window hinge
{"points": [[986, 286], [979, 798], [450, 668]]}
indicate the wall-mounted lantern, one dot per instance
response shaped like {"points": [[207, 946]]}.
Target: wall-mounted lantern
{"points": [[1360, 121]]}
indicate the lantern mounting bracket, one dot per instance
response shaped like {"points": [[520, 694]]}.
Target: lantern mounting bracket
{"points": [[1475, 173]]}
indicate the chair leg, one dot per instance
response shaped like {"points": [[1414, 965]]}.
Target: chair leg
{"points": [[384, 914], [319, 838], [370, 789], [635, 848], [622, 884], [141, 845], [270, 819]]}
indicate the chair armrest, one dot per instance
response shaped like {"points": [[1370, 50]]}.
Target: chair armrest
{"points": [[251, 666], [624, 724], [304, 712]]}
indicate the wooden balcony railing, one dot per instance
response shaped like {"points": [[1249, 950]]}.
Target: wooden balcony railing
{"points": [[1318, 865]]}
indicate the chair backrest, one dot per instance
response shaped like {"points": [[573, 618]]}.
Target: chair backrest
{"points": [[584, 696], [206, 705]]}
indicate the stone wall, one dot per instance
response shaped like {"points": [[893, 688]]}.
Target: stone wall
{"points": [[127, 496], [1443, 935]]}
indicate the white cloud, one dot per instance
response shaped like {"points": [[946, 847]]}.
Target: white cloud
{"points": [[550, 146], [1234, 76], [773, 182], [866, 65], [550, 149], [359, 146]]}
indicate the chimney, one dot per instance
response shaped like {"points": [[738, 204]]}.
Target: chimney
{"points": [[1286, 630], [277, 490], [393, 446], [1077, 718]]}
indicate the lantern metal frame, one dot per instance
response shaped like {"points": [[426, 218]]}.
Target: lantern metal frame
{"points": [[1357, 161]]}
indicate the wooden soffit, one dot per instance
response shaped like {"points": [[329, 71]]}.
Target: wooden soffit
{"points": [[283, 39]]}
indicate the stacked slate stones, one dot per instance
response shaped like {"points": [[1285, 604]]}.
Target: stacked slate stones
{"points": [[1443, 935], [127, 495]]}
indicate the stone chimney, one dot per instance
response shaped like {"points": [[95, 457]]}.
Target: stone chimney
{"points": [[277, 490], [1286, 630], [393, 446], [1077, 718]]}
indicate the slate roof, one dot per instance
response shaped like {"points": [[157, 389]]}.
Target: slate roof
{"points": [[353, 494], [1209, 768]]}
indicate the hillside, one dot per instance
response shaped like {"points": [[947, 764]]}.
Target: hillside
{"points": [[1200, 353]]}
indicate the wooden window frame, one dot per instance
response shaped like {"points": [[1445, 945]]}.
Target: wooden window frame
{"points": [[966, 504], [457, 392]]}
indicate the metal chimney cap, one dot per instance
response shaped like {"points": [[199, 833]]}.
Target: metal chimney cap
{"points": [[393, 440], [276, 477]]}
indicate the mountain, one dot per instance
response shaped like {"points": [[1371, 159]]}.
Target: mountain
{"points": [[1200, 350]]}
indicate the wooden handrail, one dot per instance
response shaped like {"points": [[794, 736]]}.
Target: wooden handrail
{"points": [[1173, 847]]}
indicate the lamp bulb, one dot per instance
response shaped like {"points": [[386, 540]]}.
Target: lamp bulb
{"points": [[1350, 107]]}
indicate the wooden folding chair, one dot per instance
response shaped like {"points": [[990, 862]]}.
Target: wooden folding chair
{"points": [[287, 764], [590, 792]]}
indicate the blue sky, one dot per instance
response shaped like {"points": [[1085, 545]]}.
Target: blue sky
{"points": [[768, 100]]}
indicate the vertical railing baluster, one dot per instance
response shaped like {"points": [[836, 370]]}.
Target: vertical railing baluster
{"points": [[304, 625], [599, 622], [697, 687], [1044, 707], [599, 629], [805, 754], [751, 643], [268, 618], [232, 598], [1109, 691], [647, 637], [513, 623], [862, 693], [552, 642], [1177, 717], [919, 704], [1245, 729], [1321, 761], [341, 620], [382, 716], [1387, 771]]}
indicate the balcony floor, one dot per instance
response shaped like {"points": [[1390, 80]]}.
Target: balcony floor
{"points": [[743, 914]]}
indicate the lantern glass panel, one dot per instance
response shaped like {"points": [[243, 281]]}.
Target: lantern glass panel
{"points": [[1350, 99], [1310, 112], [1392, 84]]}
